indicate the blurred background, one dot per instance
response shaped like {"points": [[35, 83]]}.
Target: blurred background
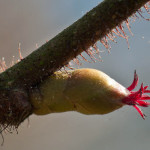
{"points": [[31, 23]]}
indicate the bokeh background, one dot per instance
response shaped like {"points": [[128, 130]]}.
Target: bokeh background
{"points": [[31, 23]]}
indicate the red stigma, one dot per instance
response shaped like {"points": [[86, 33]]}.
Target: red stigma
{"points": [[136, 98]]}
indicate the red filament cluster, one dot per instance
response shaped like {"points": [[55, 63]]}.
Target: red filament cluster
{"points": [[136, 98]]}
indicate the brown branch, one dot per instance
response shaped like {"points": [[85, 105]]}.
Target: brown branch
{"points": [[71, 42], [16, 82]]}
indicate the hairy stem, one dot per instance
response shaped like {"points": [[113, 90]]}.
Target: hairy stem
{"points": [[71, 42]]}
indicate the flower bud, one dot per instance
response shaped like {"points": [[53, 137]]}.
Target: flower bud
{"points": [[87, 91]]}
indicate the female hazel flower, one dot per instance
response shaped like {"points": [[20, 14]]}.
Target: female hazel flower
{"points": [[136, 98], [87, 91]]}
